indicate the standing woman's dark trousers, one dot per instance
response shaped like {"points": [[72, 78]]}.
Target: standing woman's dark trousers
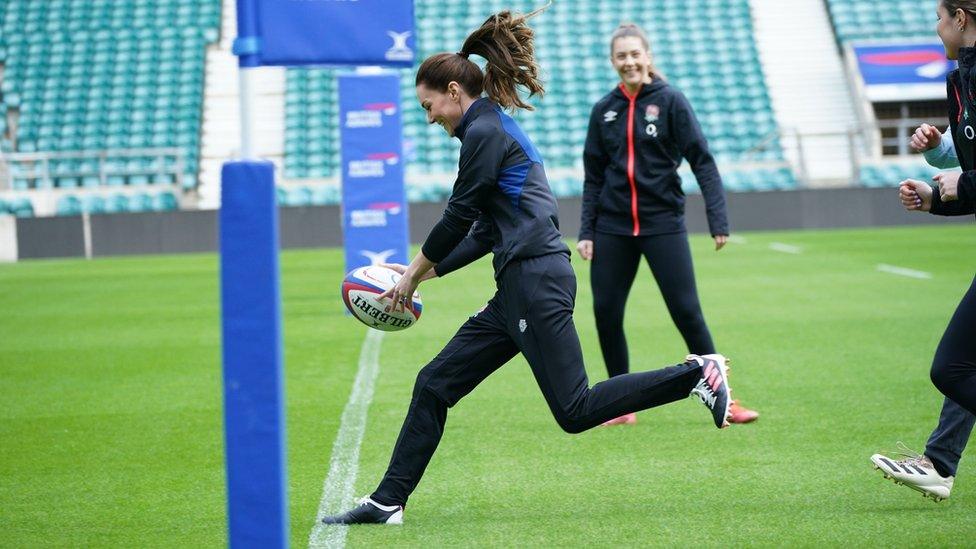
{"points": [[954, 366], [616, 259]]}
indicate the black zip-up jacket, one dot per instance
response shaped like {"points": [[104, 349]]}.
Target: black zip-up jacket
{"points": [[501, 195], [633, 149], [960, 86]]}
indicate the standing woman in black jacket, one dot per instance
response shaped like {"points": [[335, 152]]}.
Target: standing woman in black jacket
{"points": [[954, 365], [501, 203], [633, 204]]}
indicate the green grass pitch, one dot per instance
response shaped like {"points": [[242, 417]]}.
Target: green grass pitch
{"points": [[111, 430]]}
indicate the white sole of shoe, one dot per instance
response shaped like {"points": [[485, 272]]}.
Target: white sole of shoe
{"points": [[395, 518], [925, 493]]}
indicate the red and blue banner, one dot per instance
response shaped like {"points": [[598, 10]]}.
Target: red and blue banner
{"points": [[325, 32], [903, 72], [374, 205]]}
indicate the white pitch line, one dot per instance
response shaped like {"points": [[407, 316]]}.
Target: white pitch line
{"points": [[785, 248], [337, 492], [736, 239], [911, 273]]}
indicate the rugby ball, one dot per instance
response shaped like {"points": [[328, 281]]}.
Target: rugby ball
{"points": [[360, 292]]}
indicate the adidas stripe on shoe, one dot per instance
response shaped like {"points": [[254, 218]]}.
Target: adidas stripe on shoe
{"points": [[914, 471], [713, 387]]}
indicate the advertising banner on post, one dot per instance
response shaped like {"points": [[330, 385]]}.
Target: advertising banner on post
{"points": [[374, 206]]}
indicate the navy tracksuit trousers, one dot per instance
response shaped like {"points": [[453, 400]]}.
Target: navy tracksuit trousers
{"points": [[531, 313], [954, 374]]}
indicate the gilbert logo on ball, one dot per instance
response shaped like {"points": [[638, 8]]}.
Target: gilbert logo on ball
{"points": [[361, 290]]}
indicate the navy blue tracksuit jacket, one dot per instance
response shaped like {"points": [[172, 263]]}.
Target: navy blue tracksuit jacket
{"points": [[502, 191]]}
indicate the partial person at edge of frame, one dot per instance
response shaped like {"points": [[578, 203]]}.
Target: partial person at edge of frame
{"points": [[953, 371]]}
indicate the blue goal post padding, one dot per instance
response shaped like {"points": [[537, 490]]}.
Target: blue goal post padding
{"points": [[254, 423], [307, 32]]}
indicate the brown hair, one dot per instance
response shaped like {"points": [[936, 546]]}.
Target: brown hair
{"points": [[626, 30], [968, 6], [505, 41]]}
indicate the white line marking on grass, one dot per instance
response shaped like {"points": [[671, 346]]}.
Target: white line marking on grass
{"points": [[904, 272], [736, 239], [337, 493], [785, 248]]}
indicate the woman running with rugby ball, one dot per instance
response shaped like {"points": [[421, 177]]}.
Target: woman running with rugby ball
{"points": [[502, 203]]}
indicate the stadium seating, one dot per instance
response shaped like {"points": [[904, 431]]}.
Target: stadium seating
{"points": [[311, 112], [320, 195], [117, 203], [106, 74], [873, 19], [890, 174], [18, 206], [713, 60]]}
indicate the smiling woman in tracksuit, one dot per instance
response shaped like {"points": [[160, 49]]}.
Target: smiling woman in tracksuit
{"points": [[633, 204], [953, 368], [501, 203]]}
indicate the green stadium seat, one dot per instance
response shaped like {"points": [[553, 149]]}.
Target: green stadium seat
{"points": [[141, 202], [891, 174], [68, 205], [164, 202], [138, 180], [301, 196], [117, 203], [885, 19], [325, 195], [80, 69], [21, 207], [93, 204]]}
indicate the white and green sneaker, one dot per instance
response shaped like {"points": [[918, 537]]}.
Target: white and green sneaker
{"points": [[914, 471]]}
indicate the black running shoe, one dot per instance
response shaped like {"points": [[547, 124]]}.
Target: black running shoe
{"points": [[713, 388], [368, 512]]}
